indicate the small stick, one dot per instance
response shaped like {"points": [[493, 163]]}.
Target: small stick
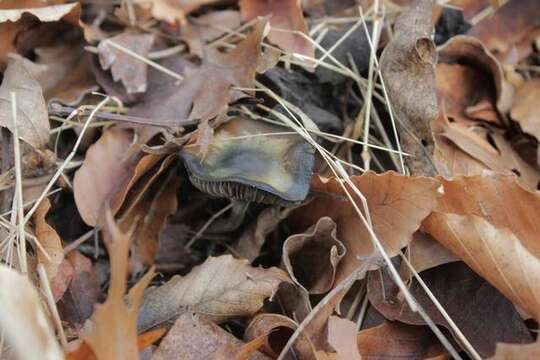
{"points": [[46, 287]]}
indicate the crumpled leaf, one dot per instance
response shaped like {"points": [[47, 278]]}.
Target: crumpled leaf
{"points": [[397, 206], [492, 150], [408, 69], [23, 320], [206, 91], [395, 339], [221, 288], [32, 116], [283, 15], [112, 166], [194, 336], [14, 20], [484, 315], [342, 337], [114, 335], [496, 254], [525, 107], [311, 258], [124, 67], [52, 244], [510, 26], [471, 82]]}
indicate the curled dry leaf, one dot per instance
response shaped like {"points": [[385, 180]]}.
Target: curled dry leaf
{"points": [[458, 85], [510, 29], [221, 288], [342, 337], [52, 245], [194, 336], [23, 320], [32, 116], [311, 258], [483, 315], [287, 21], [114, 335], [408, 69], [525, 107], [496, 254], [395, 339], [13, 21], [148, 217], [492, 150], [206, 91], [397, 205], [277, 329], [124, 67]]}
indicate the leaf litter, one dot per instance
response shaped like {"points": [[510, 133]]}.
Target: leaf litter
{"points": [[416, 237]]}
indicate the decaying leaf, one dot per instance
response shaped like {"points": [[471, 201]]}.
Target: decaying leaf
{"points": [[287, 21], [195, 337], [483, 314], [496, 254], [124, 67], [52, 245], [23, 320], [525, 107], [408, 69], [511, 26], [220, 288], [311, 258], [32, 115], [395, 339], [206, 91], [342, 337], [397, 205], [114, 335]]}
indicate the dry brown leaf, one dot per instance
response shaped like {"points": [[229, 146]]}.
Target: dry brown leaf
{"points": [[23, 320], [463, 86], [148, 217], [173, 11], [499, 199], [397, 206], [342, 337], [408, 68], [395, 339], [285, 17], [511, 24], [124, 67], [65, 73], [525, 107], [83, 292], [221, 288], [492, 150], [494, 253], [112, 167], [277, 329], [425, 253], [206, 91], [195, 337], [200, 30], [52, 244], [478, 309], [32, 116], [312, 258], [517, 351], [114, 335], [14, 20]]}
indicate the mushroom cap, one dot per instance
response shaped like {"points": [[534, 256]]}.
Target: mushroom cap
{"points": [[253, 167]]}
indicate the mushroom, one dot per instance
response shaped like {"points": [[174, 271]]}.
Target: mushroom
{"points": [[248, 161]]}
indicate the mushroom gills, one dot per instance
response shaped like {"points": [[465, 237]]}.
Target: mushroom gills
{"points": [[247, 162]]}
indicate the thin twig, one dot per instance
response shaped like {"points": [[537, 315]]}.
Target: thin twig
{"points": [[46, 287]]}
